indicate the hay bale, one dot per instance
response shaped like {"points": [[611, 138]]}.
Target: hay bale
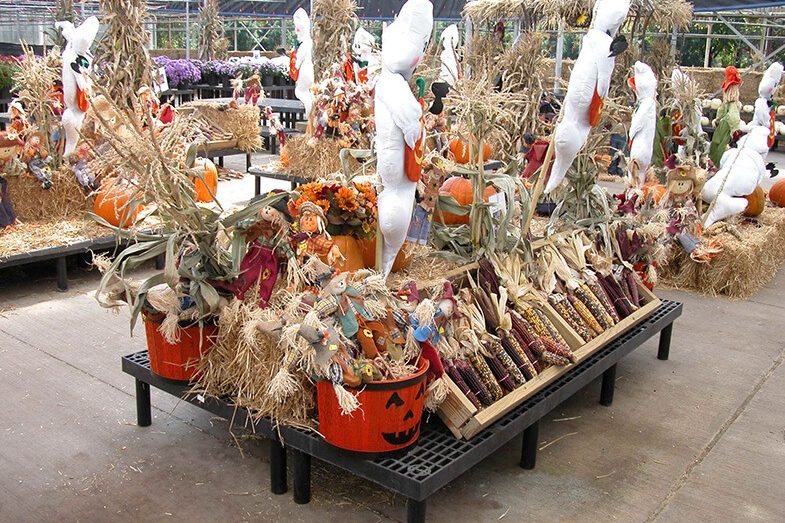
{"points": [[66, 198], [312, 159], [745, 265], [241, 122]]}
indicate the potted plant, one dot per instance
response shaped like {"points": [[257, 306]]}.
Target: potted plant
{"points": [[8, 68], [209, 72], [203, 247], [182, 74], [226, 72]]}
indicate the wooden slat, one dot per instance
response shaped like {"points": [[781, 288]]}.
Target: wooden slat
{"points": [[456, 410]]}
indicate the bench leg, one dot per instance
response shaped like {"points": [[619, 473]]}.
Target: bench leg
{"points": [[665, 343], [62, 274], [608, 385], [415, 511], [220, 161], [301, 477], [257, 186], [143, 415], [247, 162], [278, 468], [531, 437]]}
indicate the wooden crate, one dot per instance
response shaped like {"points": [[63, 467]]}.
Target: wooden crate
{"points": [[464, 420]]}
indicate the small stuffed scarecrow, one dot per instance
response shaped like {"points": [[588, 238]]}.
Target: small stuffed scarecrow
{"points": [[253, 88], [312, 238], [268, 239], [728, 119], [10, 148]]}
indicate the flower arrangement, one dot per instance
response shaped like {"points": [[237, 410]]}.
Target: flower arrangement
{"points": [[350, 209]]}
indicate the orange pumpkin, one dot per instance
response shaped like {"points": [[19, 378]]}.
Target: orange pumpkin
{"points": [[756, 202], [654, 191], [777, 194], [461, 151], [368, 248], [462, 191], [112, 203], [353, 257], [207, 186]]}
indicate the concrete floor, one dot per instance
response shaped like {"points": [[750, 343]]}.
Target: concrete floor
{"points": [[700, 437]]}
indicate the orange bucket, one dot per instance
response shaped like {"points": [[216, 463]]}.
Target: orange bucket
{"points": [[388, 419], [179, 361]]}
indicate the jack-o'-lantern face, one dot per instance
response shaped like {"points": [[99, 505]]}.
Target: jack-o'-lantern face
{"points": [[394, 406]]}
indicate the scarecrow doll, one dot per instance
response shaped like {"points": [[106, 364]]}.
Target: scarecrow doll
{"points": [[10, 148], [312, 238], [728, 119], [268, 241]]}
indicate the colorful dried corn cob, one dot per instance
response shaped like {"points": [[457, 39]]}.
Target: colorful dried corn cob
{"points": [[559, 350], [474, 382], [539, 326], [496, 348], [602, 296], [501, 374], [585, 314], [456, 377], [486, 375], [517, 355], [585, 294], [561, 305], [552, 332]]}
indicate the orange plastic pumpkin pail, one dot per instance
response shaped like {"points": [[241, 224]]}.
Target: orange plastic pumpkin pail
{"points": [[388, 419], [178, 361], [353, 258], [368, 249]]}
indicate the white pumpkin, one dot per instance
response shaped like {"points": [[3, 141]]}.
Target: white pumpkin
{"points": [[715, 103]]}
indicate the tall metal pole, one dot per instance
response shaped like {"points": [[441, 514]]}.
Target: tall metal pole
{"points": [[187, 30], [559, 58], [707, 55]]}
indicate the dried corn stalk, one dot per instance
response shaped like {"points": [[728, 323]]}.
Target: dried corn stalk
{"points": [[122, 52], [212, 43], [334, 25]]}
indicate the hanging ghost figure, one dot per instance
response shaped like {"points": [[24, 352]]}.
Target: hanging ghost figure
{"points": [[589, 85], [301, 67], [77, 62], [398, 117], [644, 121], [764, 105], [367, 64], [450, 40], [741, 171]]}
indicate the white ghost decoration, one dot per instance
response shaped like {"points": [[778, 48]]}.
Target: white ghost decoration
{"points": [[364, 49], [304, 62], [398, 117], [589, 85], [77, 64], [768, 85], [450, 40], [644, 120], [741, 171]]}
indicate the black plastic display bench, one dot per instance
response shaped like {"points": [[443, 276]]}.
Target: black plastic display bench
{"points": [[260, 172], [438, 457], [61, 254]]}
